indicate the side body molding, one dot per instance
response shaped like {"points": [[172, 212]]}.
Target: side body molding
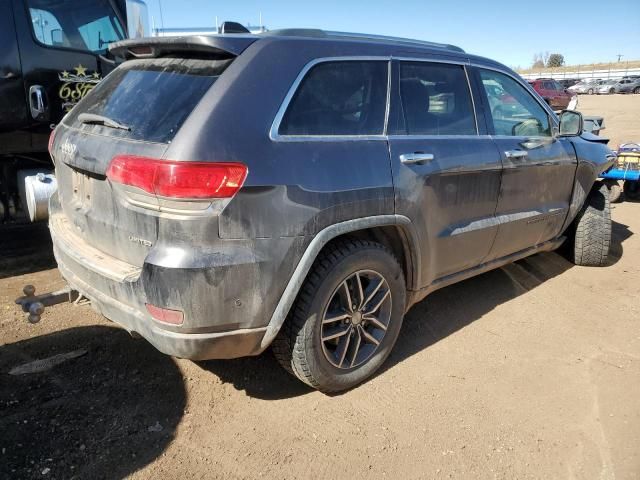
{"points": [[310, 255]]}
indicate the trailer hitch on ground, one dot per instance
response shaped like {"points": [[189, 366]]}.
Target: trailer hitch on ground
{"points": [[35, 305]]}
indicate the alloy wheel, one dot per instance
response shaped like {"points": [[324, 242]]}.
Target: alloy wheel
{"points": [[356, 319]]}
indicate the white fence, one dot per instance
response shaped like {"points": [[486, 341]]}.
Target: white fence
{"points": [[584, 73]]}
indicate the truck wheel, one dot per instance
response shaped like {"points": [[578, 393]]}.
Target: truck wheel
{"points": [[346, 318], [592, 230], [615, 191], [632, 190]]}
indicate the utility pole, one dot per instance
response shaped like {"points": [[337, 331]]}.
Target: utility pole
{"points": [[620, 56]]}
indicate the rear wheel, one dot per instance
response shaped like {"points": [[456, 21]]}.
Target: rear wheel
{"points": [[636, 90], [590, 91], [612, 91], [592, 230], [347, 317], [632, 190]]}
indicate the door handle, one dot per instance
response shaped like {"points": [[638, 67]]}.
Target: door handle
{"points": [[417, 158], [37, 103], [515, 154]]}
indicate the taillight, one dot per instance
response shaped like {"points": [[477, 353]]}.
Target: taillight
{"points": [[169, 178], [52, 137]]}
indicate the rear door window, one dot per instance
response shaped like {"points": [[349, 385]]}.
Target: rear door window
{"points": [[152, 97], [341, 98], [436, 100]]}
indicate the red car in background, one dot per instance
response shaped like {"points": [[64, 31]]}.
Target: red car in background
{"points": [[553, 93]]}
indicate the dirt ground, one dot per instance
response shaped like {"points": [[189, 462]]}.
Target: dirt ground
{"points": [[621, 116], [529, 371]]}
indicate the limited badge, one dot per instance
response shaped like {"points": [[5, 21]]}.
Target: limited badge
{"points": [[76, 85]]}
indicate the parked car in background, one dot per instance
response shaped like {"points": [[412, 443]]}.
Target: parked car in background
{"points": [[359, 184], [552, 92], [586, 87], [628, 85], [568, 82], [607, 87]]}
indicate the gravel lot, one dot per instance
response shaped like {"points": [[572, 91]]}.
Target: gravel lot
{"points": [[529, 371]]}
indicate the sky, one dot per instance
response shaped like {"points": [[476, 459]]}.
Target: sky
{"points": [[584, 31]]}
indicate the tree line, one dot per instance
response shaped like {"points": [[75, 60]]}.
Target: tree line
{"points": [[547, 60]]}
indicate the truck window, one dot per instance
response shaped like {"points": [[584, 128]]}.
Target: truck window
{"points": [[75, 24]]}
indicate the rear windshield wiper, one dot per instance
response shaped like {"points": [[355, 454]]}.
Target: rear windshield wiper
{"points": [[92, 118]]}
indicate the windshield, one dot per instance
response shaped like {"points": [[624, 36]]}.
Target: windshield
{"points": [[75, 24]]}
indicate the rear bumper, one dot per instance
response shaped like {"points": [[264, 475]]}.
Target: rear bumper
{"points": [[118, 295]]}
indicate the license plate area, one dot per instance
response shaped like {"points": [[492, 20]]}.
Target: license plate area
{"points": [[82, 189]]}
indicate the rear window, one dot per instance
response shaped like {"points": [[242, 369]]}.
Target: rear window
{"points": [[153, 97]]}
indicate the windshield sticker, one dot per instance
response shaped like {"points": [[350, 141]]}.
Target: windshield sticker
{"points": [[76, 85]]}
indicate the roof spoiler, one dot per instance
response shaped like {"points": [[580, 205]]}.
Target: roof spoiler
{"points": [[219, 46]]}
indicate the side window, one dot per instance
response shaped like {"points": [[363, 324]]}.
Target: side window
{"points": [[435, 99], [514, 111], [47, 28], [99, 33], [75, 24], [339, 98]]}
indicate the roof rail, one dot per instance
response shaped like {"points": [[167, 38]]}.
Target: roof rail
{"points": [[317, 33]]}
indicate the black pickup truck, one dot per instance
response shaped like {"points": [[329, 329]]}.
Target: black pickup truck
{"points": [[53, 53]]}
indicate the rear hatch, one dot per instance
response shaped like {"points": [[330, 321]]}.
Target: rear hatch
{"points": [[137, 110]]}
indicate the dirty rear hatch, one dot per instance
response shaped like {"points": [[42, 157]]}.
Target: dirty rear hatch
{"points": [[147, 100]]}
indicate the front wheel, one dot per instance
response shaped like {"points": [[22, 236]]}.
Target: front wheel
{"points": [[346, 318], [590, 91], [591, 237], [636, 90]]}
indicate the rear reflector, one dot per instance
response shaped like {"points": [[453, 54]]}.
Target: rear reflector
{"points": [[165, 315], [169, 178]]}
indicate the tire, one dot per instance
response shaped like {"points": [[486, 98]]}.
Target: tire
{"points": [[615, 191], [592, 230], [632, 190], [590, 91], [299, 346], [636, 90], [612, 91]]}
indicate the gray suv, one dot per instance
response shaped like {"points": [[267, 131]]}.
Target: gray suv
{"points": [[303, 189]]}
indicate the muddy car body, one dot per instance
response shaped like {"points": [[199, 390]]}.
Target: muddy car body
{"points": [[317, 159]]}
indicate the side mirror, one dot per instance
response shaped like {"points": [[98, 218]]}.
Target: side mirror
{"points": [[571, 123]]}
